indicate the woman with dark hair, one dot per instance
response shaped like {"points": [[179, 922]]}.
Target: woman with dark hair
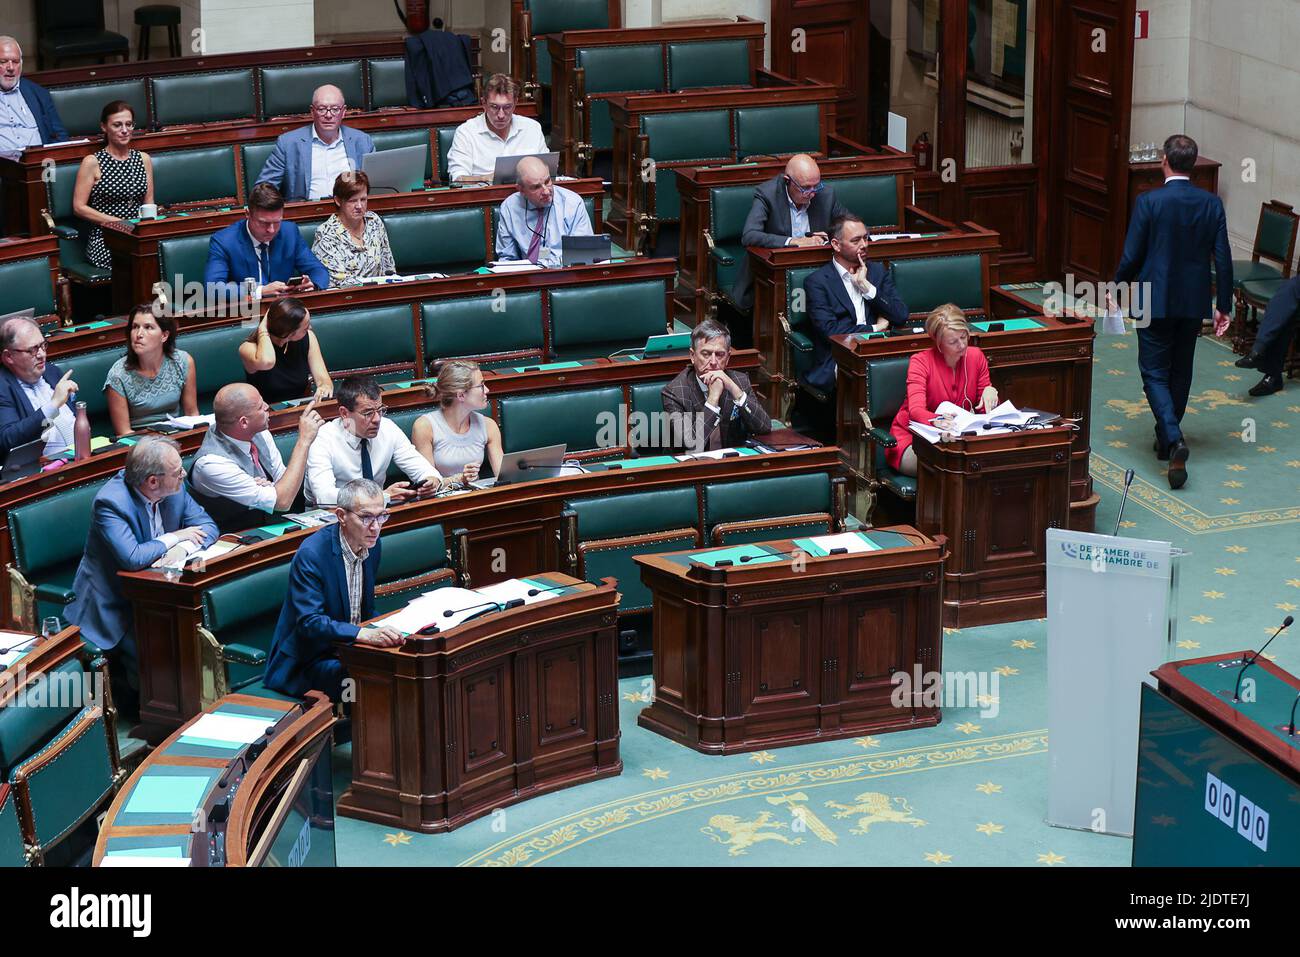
{"points": [[353, 243], [282, 354], [112, 183], [154, 379]]}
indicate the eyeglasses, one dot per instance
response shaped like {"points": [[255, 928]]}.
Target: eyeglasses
{"points": [[807, 190], [372, 521], [329, 110], [500, 108], [378, 412], [35, 350]]}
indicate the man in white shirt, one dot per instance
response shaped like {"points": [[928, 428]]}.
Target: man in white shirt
{"points": [[361, 443], [538, 216], [306, 161], [35, 395], [498, 132], [238, 475]]}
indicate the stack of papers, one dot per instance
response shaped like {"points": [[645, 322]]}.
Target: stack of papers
{"points": [[215, 550], [514, 265], [192, 421], [449, 607], [314, 518], [990, 423]]}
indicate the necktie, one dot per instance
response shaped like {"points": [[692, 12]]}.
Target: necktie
{"points": [[366, 470], [264, 252], [257, 461], [535, 246]]}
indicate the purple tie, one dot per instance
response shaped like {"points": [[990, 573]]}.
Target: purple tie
{"points": [[538, 231]]}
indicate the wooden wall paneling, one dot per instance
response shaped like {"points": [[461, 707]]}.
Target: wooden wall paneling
{"points": [[833, 49]]}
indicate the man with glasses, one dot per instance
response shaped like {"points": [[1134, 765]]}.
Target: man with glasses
{"points": [[718, 409], [331, 590], [28, 116], [361, 443], [35, 395], [142, 516], [498, 132], [306, 161]]}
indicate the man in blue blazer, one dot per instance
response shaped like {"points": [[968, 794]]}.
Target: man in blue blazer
{"points": [[263, 248], [306, 161], [1173, 234], [35, 395], [141, 515], [331, 590], [848, 294], [36, 120]]}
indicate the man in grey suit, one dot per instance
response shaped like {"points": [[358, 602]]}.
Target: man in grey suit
{"points": [[717, 409], [306, 161]]}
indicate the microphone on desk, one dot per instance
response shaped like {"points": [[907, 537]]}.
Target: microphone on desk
{"points": [[19, 644], [486, 607], [538, 591], [1286, 623], [1290, 728], [1128, 480]]}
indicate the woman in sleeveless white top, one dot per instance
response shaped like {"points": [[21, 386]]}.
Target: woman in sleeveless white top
{"points": [[454, 437]]}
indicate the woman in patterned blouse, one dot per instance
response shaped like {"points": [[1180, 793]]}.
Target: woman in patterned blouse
{"points": [[154, 380], [353, 243]]}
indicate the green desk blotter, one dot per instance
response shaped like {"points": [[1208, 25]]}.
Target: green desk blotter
{"points": [[1009, 325], [738, 555], [543, 367]]}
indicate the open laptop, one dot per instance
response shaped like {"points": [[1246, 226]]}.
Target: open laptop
{"points": [[23, 461], [397, 170], [582, 250], [526, 466], [503, 173], [28, 313]]}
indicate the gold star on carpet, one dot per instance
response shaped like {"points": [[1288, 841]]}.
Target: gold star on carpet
{"points": [[1293, 582], [1226, 364], [1163, 820], [401, 837], [1280, 425], [951, 631], [1237, 467], [1114, 428], [1119, 345], [867, 742], [1212, 594], [988, 787], [1230, 501], [985, 700], [1233, 483], [1024, 644], [1049, 859], [1116, 372], [763, 757], [1236, 549], [1233, 378], [967, 727], [1293, 408], [1189, 644], [635, 696], [990, 828], [1225, 571], [1265, 448], [1117, 444], [1294, 463], [1128, 524], [1202, 619], [1234, 435], [938, 857], [1007, 671], [1285, 606], [654, 774]]}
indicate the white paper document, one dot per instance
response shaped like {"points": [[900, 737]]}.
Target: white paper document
{"points": [[990, 423], [231, 728], [513, 265], [849, 541], [215, 550], [464, 603], [140, 860], [1113, 324], [508, 591], [192, 421]]}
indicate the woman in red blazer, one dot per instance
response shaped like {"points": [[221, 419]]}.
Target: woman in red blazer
{"points": [[950, 371]]}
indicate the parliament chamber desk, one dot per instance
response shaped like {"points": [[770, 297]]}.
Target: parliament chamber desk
{"points": [[245, 783], [523, 521], [1218, 780], [754, 648], [994, 497], [502, 708], [1039, 362], [30, 278]]}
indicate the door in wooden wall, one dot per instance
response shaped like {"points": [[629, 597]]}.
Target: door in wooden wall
{"points": [[826, 40]]}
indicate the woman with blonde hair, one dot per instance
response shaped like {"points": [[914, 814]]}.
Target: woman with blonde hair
{"points": [[455, 436], [951, 370]]}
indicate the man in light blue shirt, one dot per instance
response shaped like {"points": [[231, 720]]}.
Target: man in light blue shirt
{"points": [[535, 219], [27, 114]]}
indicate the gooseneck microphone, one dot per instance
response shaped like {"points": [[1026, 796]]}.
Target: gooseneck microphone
{"points": [[1128, 480], [1286, 623], [1290, 728], [532, 592]]}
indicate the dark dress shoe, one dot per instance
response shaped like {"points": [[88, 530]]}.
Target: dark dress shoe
{"points": [[1267, 386], [1249, 361], [1178, 453], [1162, 451]]}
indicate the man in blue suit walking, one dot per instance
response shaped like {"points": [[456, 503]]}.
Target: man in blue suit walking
{"points": [[265, 249], [143, 516], [306, 161], [27, 113], [331, 590], [1173, 234]]}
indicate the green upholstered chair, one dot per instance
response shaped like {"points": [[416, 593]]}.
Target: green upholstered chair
{"points": [[555, 16], [874, 198], [603, 534], [929, 281], [307, 229], [647, 400], [443, 240], [1252, 298], [90, 369], [728, 208], [216, 360], [208, 97], [379, 341], [44, 564], [287, 90], [778, 130], [252, 157], [25, 284], [886, 392], [589, 321], [13, 850], [239, 618], [72, 233], [708, 63], [443, 136], [574, 417], [203, 177], [1275, 238], [682, 139], [634, 68], [184, 257], [395, 139], [493, 331], [757, 510], [414, 560], [80, 106], [385, 83], [797, 331]]}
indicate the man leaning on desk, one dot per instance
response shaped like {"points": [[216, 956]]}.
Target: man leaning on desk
{"points": [[265, 249], [306, 161], [331, 590], [719, 408], [538, 215], [496, 132]]}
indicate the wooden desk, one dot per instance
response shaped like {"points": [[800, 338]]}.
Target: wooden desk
{"points": [[60, 293], [1048, 368], [492, 712], [134, 244], [994, 497], [770, 655], [240, 804]]}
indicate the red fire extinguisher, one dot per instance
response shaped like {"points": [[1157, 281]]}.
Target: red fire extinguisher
{"points": [[416, 16], [921, 149]]}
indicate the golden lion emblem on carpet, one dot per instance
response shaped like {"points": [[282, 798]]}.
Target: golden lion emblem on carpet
{"points": [[1214, 398], [876, 807], [742, 835]]}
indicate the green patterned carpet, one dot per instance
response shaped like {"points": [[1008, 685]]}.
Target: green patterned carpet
{"points": [[972, 791]]}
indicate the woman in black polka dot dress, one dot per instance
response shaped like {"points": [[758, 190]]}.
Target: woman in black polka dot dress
{"points": [[113, 183]]}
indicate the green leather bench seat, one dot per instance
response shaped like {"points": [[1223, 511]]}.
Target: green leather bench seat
{"points": [[555, 16], [67, 789], [699, 136], [443, 136], [195, 176], [630, 68], [874, 198], [49, 561], [242, 614], [252, 157], [25, 284], [801, 347], [12, 852], [729, 206], [757, 499], [386, 82], [287, 90], [80, 106], [366, 338], [483, 327], [886, 392], [930, 281], [444, 240], [72, 232], [395, 139], [207, 97], [216, 360], [572, 417], [778, 130], [708, 63], [90, 370], [31, 722], [591, 321], [407, 555], [1261, 290], [185, 257]]}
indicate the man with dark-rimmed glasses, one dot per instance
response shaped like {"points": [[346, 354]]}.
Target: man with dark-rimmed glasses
{"points": [[35, 394]]}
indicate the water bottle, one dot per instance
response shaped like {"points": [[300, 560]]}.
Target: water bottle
{"points": [[81, 434]]}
